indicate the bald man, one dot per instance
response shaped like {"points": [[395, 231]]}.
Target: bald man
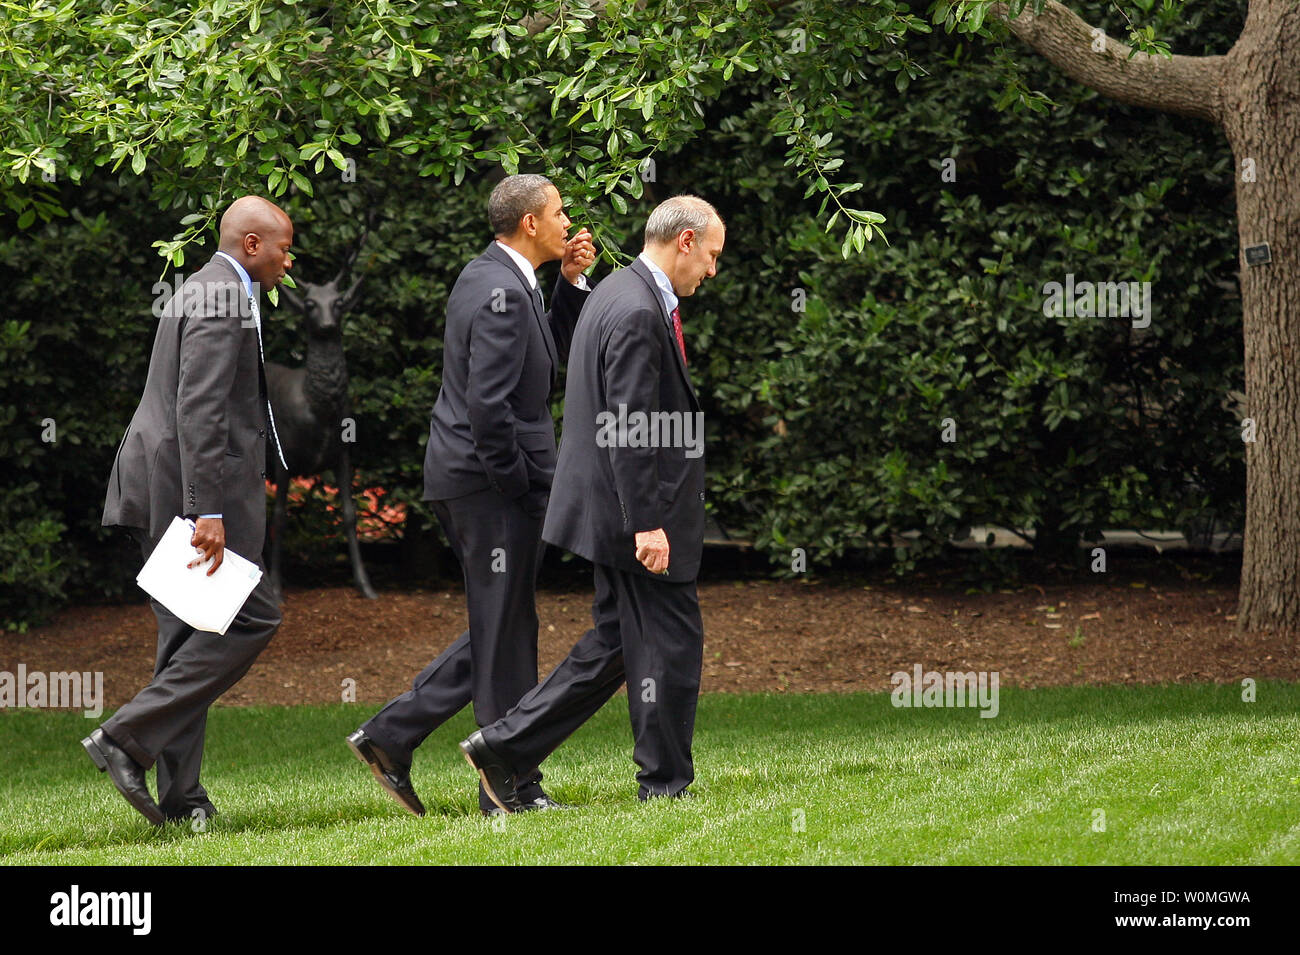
{"points": [[196, 448]]}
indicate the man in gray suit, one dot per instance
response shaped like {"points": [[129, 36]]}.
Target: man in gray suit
{"points": [[196, 448], [629, 496]]}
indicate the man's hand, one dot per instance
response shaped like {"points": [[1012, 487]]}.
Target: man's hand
{"points": [[209, 537], [579, 253], [652, 550]]}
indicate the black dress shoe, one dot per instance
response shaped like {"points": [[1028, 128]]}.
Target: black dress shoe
{"points": [[187, 814], [541, 803], [395, 779], [498, 779], [126, 773]]}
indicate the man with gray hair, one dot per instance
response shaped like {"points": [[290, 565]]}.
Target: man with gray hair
{"points": [[487, 473], [635, 509]]}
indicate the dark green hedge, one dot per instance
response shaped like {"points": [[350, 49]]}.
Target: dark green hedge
{"points": [[824, 425]]}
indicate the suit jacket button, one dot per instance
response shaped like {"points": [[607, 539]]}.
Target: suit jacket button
{"points": [[701, 495], [263, 473], [261, 433]]}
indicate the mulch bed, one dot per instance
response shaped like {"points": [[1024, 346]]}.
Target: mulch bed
{"points": [[833, 635]]}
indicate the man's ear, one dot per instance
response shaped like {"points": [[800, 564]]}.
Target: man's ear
{"points": [[252, 242]]}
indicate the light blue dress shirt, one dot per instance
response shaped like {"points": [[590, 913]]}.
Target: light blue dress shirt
{"points": [[665, 285]]}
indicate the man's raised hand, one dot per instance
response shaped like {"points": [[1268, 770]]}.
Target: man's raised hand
{"points": [[579, 253]]}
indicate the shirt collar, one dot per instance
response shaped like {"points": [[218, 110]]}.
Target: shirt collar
{"points": [[524, 265], [243, 274], [661, 279]]}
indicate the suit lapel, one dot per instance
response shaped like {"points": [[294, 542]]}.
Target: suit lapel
{"points": [[261, 357], [545, 326], [643, 273], [496, 253]]}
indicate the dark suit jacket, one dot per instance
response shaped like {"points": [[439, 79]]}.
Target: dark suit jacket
{"points": [[197, 442], [491, 424], [624, 353]]}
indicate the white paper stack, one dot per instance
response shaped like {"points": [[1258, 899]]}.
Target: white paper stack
{"points": [[205, 603]]}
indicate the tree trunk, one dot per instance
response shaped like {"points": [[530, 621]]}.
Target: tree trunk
{"points": [[1253, 93], [1261, 115]]}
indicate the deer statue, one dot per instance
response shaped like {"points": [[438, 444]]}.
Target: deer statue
{"points": [[310, 404]]}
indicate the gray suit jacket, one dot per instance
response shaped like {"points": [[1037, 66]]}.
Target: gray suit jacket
{"points": [[197, 442], [625, 354]]}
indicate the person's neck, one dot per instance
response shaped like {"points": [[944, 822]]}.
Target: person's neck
{"points": [[237, 255], [525, 247], [666, 258]]}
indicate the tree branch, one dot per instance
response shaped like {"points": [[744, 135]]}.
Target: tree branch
{"points": [[1186, 85]]}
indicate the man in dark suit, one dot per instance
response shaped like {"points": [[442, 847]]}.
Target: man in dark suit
{"points": [[630, 498], [196, 447], [487, 471]]}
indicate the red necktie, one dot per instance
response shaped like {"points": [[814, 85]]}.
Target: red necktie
{"points": [[677, 329]]}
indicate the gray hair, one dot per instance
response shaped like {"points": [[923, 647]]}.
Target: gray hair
{"points": [[513, 198], [674, 216]]}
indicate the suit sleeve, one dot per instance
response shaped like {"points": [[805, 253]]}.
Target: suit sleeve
{"points": [[633, 358], [209, 355], [496, 360], [566, 306]]}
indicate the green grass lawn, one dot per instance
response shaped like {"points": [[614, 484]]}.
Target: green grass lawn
{"points": [[1184, 775]]}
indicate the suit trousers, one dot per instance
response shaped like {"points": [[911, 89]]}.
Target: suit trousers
{"points": [[165, 722], [494, 662], [646, 632]]}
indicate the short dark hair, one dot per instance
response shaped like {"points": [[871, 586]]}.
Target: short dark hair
{"points": [[513, 198]]}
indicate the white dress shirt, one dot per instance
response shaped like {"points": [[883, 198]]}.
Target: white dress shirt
{"points": [[531, 274]]}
